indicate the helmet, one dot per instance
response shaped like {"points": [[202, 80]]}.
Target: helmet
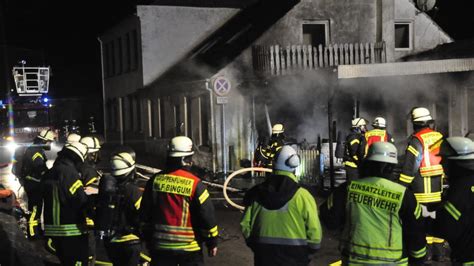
{"points": [[278, 129], [80, 149], [46, 134], [379, 122], [287, 159], [457, 148], [180, 146], [358, 122], [122, 164], [73, 137], [92, 144], [420, 114], [384, 152]]}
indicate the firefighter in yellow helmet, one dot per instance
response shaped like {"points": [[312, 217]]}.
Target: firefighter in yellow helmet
{"points": [[177, 212], [378, 133], [354, 148], [73, 137], [33, 168], [455, 219], [380, 219], [422, 172], [265, 154]]}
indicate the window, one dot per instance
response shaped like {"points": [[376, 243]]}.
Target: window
{"points": [[134, 45], [120, 56], [316, 33], [403, 36], [128, 52]]}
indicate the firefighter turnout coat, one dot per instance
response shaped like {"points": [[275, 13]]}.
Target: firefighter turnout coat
{"points": [[381, 222], [280, 223], [422, 170], [177, 213], [455, 219], [376, 135], [65, 202], [354, 149]]}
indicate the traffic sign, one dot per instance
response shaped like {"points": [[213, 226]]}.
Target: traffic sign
{"points": [[222, 86], [222, 100]]}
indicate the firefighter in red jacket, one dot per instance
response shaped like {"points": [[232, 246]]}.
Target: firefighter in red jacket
{"points": [[378, 133], [177, 212], [422, 172]]}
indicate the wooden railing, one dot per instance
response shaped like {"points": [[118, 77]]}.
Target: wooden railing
{"points": [[280, 60]]}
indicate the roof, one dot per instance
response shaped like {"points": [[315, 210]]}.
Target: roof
{"points": [[202, 3], [457, 49]]}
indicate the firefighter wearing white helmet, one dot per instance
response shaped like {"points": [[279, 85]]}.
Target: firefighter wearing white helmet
{"points": [[354, 148], [265, 153], [65, 206], [423, 173], [32, 168], [374, 199], [378, 133], [73, 137], [455, 219], [177, 198], [280, 202], [118, 209]]}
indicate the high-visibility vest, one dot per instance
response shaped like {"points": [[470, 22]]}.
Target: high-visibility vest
{"points": [[430, 162], [374, 201], [375, 135]]}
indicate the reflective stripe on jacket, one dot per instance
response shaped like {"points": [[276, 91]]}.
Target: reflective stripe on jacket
{"points": [[430, 162], [374, 231]]}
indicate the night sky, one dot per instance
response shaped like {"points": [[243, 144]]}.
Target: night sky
{"points": [[65, 34]]}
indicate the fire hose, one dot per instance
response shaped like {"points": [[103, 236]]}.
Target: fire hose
{"points": [[226, 183]]}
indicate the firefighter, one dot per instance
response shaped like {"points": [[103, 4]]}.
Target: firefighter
{"points": [[354, 148], [117, 210], [422, 172], [90, 175], [280, 222], [455, 219], [33, 168], [378, 133], [381, 220], [176, 211], [277, 140], [73, 137], [65, 206]]}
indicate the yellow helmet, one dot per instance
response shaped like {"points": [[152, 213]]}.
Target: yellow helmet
{"points": [[46, 134]]}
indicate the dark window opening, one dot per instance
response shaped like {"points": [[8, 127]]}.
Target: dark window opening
{"points": [[402, 35], [314, 34]]}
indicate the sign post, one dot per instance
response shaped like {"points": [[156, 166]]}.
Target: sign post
{"points": [[222, 87]]}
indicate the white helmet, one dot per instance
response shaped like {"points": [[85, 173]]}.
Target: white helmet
{"points": [[287, 159], [457, 148], [180, 146], [358, 122], [46, 134], [78, 148], [379, 122], [92, 143], [73, 137], [277, 129], [384, 152], [420, 114], [122, 164]]}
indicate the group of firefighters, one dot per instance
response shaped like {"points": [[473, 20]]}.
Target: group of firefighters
{"points": [[384, 218]]}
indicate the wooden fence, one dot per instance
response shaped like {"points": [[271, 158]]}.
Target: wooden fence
{"points": [[280, 60], [308, 171]]}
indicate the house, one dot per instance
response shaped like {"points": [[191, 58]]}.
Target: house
{"points": [[281, 58]]}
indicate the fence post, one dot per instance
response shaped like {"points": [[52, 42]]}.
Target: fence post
{"points": [[372, 53], [346, 53], [326, 61], [298, 55], [321, 56], [367, 53], [331, 56], [362, 54], [310, 56], [305, 58], [277, 59], [351, 54], [293, 56], [288, 58], [283, 64], [341, 53], [336, 54], [384, 53], [356, 51]]}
